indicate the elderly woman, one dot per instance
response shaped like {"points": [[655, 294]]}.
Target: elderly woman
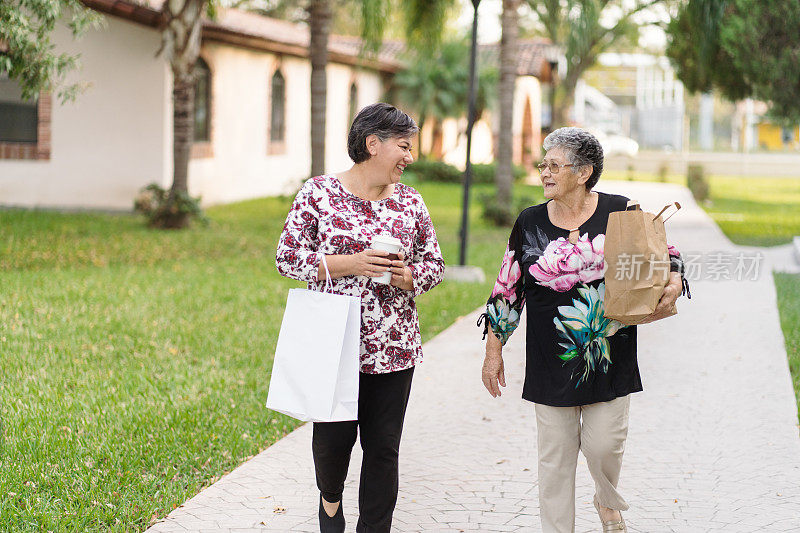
{"points": [[338, 216], [554, 262]]}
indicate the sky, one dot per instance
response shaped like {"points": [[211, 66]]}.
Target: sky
{"points": [[489, 31]]}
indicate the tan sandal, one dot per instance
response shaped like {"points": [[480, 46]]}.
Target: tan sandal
{"points": [[611, 526]]}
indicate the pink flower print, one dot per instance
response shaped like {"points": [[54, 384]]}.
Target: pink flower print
{"points": [[673, 252], [563, 264], [508, 277]]}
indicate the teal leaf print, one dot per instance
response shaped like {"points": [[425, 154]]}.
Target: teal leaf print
{"points": [[503, 317], [585, 331]]}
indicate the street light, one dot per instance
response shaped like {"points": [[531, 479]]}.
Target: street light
{"points": [[470, 123]]}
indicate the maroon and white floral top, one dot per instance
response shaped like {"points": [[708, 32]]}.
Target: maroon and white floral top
{"points": [[327, 219]]}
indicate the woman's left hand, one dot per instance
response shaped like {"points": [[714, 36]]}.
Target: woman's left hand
{"points": [[402, 276], [668, 298]]}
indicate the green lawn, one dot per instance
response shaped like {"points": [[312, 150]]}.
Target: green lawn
{"points": [[135, 362], [753, 211], [788, 289], [758, 211]]}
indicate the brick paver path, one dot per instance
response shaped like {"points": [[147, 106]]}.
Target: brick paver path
{"points": [[713, 443]]}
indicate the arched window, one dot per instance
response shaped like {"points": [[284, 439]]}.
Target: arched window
{"points": [[353, 101], [202, 101], [277, 124]]}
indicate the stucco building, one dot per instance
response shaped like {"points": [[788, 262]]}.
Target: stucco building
{"points": [[252, 112], [252, 116]]}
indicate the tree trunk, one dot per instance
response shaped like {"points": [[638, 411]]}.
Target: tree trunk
{"points": [[319, 21], [437, 140], [508, 74], [181, 44], [182, 131], [565, 95]]}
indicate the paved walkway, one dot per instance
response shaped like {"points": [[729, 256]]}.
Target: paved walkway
{"points": [[713, 442]]}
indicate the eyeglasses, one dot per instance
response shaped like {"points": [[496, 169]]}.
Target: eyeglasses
{"points": [[554, 168]]}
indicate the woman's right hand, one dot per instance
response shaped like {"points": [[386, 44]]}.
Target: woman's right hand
{"points": [[493, 373], [370, 263]]}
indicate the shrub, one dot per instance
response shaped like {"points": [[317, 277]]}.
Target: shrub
{"points": [[164, 210], [493, 213], [432, 170], [697, 182], [663, 171]]}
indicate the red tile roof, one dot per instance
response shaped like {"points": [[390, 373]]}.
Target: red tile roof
{"points": [[532, 57]]}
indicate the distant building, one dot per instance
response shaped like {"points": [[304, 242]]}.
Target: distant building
{"points": [[252, 112], [535, 59], [648, 96]]}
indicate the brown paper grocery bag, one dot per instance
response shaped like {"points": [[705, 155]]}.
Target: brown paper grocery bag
{"points": [[638, 263]]}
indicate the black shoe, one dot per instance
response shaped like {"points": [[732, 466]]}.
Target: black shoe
{"points": [[331, 524]]}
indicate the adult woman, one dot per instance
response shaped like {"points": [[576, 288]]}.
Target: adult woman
{"points": [[337, 216], [580, 366]]}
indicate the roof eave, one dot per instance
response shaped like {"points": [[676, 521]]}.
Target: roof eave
{"points": [[127, 10], [214, 32]]}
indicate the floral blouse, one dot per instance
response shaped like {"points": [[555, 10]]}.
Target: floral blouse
{"points": [[574, 355], [327, 219]]}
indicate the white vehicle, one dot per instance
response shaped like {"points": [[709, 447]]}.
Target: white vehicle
{"points": [[614, 144]]}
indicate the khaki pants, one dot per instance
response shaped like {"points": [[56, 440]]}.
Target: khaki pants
{"points": [[599, 430]]}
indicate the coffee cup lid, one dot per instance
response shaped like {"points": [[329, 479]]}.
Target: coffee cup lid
{"points": [[387, 239]]}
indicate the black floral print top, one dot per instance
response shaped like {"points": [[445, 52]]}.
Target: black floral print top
{"points": [[327, 219], [574, 355]]}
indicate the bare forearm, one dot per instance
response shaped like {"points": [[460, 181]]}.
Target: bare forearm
{"points": [[494, 348], [338, 266], [367, 263]]}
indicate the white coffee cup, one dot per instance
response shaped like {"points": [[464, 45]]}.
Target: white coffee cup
{"points": [[387, 243]]}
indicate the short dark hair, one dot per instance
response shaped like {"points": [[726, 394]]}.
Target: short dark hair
{"points": [[383, 120], [582, 149]]}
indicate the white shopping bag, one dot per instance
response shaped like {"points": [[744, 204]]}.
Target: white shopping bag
{"points": [[316, 366]]}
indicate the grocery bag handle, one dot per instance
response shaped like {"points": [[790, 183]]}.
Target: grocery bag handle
{"points": [[677, 207], [633, 205], [328, 283]]}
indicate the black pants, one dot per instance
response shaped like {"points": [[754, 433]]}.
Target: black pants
{"points": [[382, 401]]}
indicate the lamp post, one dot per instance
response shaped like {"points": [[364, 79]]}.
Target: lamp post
{"points": [[470, 123]]}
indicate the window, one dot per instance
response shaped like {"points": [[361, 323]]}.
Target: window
{"points": [[277, 125], [19, 119], [202, 102], [353, 101]]}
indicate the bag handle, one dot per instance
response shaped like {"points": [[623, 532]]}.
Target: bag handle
{"points": [[328, 283], [633, 205], [677, 207]]}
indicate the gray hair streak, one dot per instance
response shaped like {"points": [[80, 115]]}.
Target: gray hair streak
{"points": [[582, 149]]}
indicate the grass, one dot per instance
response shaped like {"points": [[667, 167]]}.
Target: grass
{"points": [[752, 211], [788, 289], [135, 362], [758, 211]]}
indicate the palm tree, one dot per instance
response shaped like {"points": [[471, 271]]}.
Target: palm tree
{"points": [[424, 20], [508, 74], [582, 29], [181, 45], [434, 85], [319, 22]]}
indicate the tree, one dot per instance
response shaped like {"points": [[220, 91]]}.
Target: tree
{"points": [[435, 85], [26, 28], [504, 175], [584, 29], [424, 25], [26, 50], [757, 42], [180, 40]]}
